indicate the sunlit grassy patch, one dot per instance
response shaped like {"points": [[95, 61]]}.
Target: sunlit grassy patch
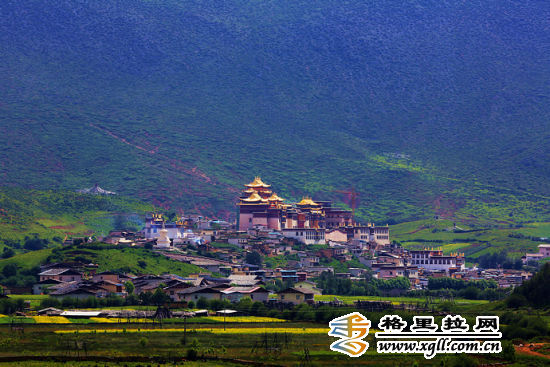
{"points": [[16, 320]]}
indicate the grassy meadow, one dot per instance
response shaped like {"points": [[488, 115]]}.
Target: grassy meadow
{"points": [[469, 238], [291, 344]]}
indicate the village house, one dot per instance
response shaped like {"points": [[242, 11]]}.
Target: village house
{"points": [[208, 292], [43, 286], [256, 294], [308, 286], [295, 296], [63, 275], [176, 286], [544, 249], [434, 260], [106, 275]]}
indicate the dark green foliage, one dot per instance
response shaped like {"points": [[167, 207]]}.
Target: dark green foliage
{"points": [[202, 303], [457, 284], [50, 302], [180, 102], [192, 354], [462, 360], [534, 292], [9, 306], [253, 258], [7, 253], [522, 326], [159, 297], [33, 244], [330, 284], [508, 351], [499, 259], [9, 270], [129, 286]]}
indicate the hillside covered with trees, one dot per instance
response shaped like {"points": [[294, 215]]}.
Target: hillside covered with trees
{"points": [[425, 107]]}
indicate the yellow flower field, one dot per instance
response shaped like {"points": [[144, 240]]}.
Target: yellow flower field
{"points": [[51, 320], [103, 319], [244, 319]]}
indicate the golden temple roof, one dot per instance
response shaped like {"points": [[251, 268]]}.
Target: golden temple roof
{"points": [[249, 191], [275, 197], [257, 183], [253, 197], [307, 201]]}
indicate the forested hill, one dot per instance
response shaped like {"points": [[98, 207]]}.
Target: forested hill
{"points": [[423, 106]]}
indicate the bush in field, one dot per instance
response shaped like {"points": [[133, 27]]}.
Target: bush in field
{"points": [[191, 354], [7, 253], [508, 352], [9, 306], [522, 326], [35, 243], [516, 300], [143, 342], [202, 303]]}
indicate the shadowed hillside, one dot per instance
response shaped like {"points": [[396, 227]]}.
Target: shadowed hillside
{"points": [[424, 106]]}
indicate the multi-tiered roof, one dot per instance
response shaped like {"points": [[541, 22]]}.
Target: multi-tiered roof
{"points": [[257, 193]]}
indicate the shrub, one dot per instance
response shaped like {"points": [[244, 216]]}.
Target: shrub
{"points": [[191, 355], [8, 252], [508, 352], [143, 342]]}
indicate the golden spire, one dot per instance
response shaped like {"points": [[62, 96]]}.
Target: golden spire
{"points": [[258, 183], [307, 201], [275, 197]]}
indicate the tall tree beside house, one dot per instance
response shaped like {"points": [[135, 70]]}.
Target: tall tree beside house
{"points": [[129, 286], [159, 297]]}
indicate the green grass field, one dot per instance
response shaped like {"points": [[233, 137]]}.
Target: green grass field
{"points": [[287, 345], [27, 260], [34, 299], [472, 239], [394, 300], [128, 259]]}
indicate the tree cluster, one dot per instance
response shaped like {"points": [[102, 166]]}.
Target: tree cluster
{"points": [[534, 292], [369, 286]]}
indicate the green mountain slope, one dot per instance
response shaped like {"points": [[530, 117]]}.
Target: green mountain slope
{"points": [[426, 107], [49, 214]]}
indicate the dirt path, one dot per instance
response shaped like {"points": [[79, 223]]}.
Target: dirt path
{"points": [[526, 349]]}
